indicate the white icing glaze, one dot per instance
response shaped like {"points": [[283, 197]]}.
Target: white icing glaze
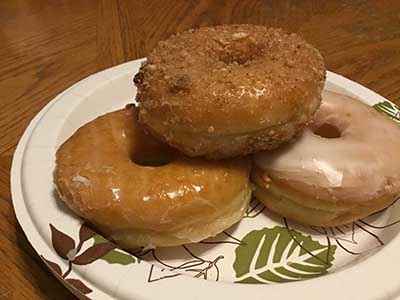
{"points": [[362, 163]]}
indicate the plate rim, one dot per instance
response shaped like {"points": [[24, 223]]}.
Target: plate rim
{"points": [[240, 290]]}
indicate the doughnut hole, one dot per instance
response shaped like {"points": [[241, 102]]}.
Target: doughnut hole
{"points": [[328, 131], [152, 159], [148, 152]]}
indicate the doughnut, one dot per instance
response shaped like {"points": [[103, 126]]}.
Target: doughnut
{"points": [[140, 193], [345, 166], [229, 90]]}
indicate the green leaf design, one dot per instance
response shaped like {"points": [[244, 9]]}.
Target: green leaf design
{"points": [[279, 254], [98, 239], [115, 256], [119, 257], [389, 109]]}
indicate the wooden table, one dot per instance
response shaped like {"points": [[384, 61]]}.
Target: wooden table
{"points": [[47, 45]]}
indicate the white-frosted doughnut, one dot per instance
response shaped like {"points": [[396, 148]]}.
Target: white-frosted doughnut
{"points": [[344, 166]]}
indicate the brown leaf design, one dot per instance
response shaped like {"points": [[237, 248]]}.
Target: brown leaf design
{"points": [[55, 267], [79, 285], [62, 243], [92, 253], [86, 233]]}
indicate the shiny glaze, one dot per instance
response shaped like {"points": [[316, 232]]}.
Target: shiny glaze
{"points": [[96, 175], [359, 166]]}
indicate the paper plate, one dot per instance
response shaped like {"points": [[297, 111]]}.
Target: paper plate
{"points": [[264, 256]]}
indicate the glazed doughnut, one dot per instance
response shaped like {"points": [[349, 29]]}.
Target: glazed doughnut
{"points": [[229, 90], [110, 173], [344, 167]]}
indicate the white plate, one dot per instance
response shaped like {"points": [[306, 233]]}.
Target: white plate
{"points": [[356, 260]]}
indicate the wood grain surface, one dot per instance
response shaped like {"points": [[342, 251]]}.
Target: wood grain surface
{"points": [[47, 45]]}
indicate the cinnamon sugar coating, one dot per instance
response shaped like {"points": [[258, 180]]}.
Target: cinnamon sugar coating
{"points": [[229, 90]]}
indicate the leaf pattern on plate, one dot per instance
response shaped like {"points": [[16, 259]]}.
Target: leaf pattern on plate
{"points": [[55, 267], [273, 255], [66, 248], [62, 243], [196, 267], [115, 256], [389, 109], [86, 233], [119, 257], [79, 285], [255, 208], [93, 253]]}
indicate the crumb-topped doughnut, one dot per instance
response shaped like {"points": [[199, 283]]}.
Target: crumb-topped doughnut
{"points": [[345, 166], [229, 90], [110, 173]]}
